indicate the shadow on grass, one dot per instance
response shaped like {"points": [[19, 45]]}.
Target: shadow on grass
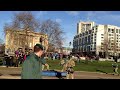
{"points": [[15, 74], [1, 74], [101, 71]]}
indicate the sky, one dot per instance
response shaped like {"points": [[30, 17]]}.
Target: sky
{"points": [[67, 19]]}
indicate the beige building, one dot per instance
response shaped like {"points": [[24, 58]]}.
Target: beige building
{"points": [[84, 26], [18, 39]]}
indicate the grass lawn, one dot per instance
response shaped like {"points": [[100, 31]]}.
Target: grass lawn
{"points": [[100, 66]]}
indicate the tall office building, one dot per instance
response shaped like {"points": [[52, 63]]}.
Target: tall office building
{"points": [[97, 39], [84, 26]]}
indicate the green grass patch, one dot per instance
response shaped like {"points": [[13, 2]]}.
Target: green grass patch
{"points": [[100, 66]]}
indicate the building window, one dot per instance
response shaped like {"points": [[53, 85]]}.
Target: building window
{"points": [[116, 30], [83, 34], [109, 34], [108, 29], [112, 30], [89, 31], [91, 37]]}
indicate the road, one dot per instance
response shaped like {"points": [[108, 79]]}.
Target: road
{"points": [[14, 73]]}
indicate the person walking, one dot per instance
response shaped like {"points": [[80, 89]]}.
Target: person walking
{"points": [[115, 68], [45, 65], [32, 66]]}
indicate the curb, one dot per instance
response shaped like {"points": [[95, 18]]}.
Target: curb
{"points": [[10, 67], [92, 72]]}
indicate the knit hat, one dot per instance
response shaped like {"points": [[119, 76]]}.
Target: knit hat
{"points": [[40, 46]]}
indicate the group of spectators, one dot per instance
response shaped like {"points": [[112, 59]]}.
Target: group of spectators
{"points": [[18, 58]]}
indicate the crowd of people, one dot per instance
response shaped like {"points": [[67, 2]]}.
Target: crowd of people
{"points": [[66, 61], [17, 59]]}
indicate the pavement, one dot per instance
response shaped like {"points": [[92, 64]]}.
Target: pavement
{"points": [[15, 73]]}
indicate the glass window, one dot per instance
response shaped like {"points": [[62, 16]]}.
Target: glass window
{"points": [[112, 30], [108, 29], [116, 30], [83, 34]]}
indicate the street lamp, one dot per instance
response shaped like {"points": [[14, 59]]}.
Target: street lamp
{"points": [[41, 41]]}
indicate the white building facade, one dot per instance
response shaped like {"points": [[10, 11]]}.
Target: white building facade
{"points": [[97, 39]]}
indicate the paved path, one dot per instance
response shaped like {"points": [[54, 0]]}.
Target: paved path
{"points": [[14, 73]]}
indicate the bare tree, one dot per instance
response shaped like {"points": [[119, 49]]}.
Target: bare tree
{"points": [[24, 21], [106, 42], [115, 46], [54, 32], [109, 44], [107, 47]]}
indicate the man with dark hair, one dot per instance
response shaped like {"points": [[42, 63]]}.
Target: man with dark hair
{"points": [[32, 66]]}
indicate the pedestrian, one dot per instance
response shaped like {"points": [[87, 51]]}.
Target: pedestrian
{"points": [[78, 58], [7, 59], [115, 68], [16, 60], [115, 58], [16, 57], [97, 58], [45, 65], [86, 59], [32, 66]]}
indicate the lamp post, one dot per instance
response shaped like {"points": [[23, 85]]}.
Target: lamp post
{"points": [[41, 41]]}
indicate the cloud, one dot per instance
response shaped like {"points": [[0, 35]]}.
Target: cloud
{"points": [[103, 17], [41, 13], [73, 13], [110, 19], [58, 20]]}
